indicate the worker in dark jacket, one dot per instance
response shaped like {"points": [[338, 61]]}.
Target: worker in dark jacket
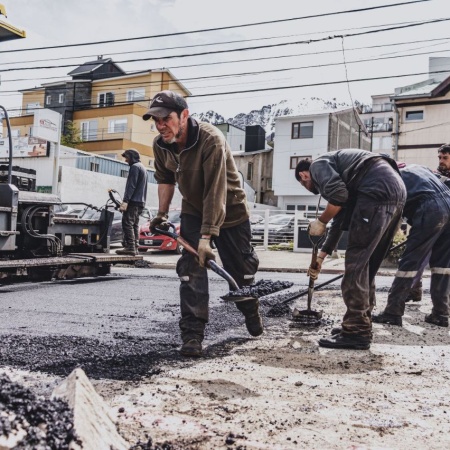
{"points": [[443, 173], [133, 202], [427, 210], [197, 157], [365, 195]]}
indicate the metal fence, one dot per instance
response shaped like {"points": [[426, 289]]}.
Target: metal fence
{"points": [[272, 227]]}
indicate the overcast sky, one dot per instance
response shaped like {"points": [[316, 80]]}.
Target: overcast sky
{"points": [[58, 22]]}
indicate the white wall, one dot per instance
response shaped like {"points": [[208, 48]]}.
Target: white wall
{"points": [[78, 185], [283, 180], [236, 138]]}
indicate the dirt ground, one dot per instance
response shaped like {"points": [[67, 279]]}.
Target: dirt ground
{"points": [[281, 391]]}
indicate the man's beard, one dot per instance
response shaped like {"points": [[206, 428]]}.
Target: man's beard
{"points": [[444, 171], [309, 185], [176, 136]]}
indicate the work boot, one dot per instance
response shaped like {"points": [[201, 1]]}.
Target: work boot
{"points": [[348, 341], [385, 317], [253, 319], [415, 295], [254, 324], [126, 251], [440, 321], [193, 347]]}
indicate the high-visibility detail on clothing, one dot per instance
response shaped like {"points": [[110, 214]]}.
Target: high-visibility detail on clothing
{"points": [[406, 274], [441, 270], [184, 278], [248, 277]]}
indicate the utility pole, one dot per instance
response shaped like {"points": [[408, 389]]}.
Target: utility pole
{"points": [[371, 134]]}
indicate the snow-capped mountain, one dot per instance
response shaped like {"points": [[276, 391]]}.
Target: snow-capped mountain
{"points": [[267, 114]]}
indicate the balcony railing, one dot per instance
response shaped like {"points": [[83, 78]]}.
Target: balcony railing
{"points": [[378, 127], [385, 107], [105, 135]]}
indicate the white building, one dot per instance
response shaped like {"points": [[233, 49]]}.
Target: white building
{"points": [[309, 136]]}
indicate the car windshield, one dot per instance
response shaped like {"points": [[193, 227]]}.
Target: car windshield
{"points": [[280, 220]]}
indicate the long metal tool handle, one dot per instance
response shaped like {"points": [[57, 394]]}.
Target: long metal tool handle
{"points": [[188, 247], [325, 283]]}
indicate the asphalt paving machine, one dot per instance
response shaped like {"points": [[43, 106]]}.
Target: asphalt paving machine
{"points": [[38, 241]]}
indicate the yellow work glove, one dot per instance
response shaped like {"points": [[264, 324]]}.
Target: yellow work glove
{"points": [[205, 252], [317, 228], [313, 272], [159, 221], [123, 206]]}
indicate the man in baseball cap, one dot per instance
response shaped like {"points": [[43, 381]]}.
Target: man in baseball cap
{"points": [[164, 103]]}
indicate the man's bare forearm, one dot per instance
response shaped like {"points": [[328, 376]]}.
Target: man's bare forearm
{"points": [[165, 196]]}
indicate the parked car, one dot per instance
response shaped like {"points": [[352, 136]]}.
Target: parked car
{"points": [[280, 229], [256, 218], [150, 241], [83, 212]]}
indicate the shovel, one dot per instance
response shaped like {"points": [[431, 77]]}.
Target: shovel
{"points": [[297, 295], [236, 294], [309, 316]]}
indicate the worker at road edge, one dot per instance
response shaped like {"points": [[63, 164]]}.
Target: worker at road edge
{"points": [[197, 157], [427, 210], [133, 202], [365, 195], [443, 173]]}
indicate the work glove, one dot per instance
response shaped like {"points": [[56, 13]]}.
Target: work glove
{"points": [[160, 221], [317, 228], [313, 272], [205, 252], [123, 206]]}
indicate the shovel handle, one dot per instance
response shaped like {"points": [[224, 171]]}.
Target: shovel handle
{"points": [[178, 238], [188, 247]]}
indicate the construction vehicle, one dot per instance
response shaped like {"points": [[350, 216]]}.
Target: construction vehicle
{"points": [[39, 241]]}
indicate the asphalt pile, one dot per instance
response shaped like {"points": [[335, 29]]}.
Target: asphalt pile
{"points": [[260, 289], [45, 424]]}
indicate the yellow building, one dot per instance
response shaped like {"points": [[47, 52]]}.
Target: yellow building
{"points": [[105, 104]]}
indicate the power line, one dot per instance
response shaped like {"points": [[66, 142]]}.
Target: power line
{"points": [[326, 83], [229, 27], [242, 74], [207, 44], [262, 59], [327, 38]]}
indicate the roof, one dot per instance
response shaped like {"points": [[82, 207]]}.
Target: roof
{"points": [[8, 32], [255, 152], [422, 89], [90, 66], [317, 112]]}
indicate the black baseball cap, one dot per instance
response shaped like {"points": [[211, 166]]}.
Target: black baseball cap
{"points": [[164, 103]]}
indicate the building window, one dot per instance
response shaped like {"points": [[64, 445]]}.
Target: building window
{"points": [[124, 173], [48, 99], [414, 115], [117, 126], [61, 98], [302, 130], [32, 106], [136, 95], [105, 99], [250, 171], [89, 130], [269, 184], [296, 159], [95, 167]]}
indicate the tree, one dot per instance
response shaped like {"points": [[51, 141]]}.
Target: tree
{"points": [[72, 137]]}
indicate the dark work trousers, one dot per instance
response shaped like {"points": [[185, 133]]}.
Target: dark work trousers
{"points": [[238, 259], [429, 233], [373, 224], [130, 226]]}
